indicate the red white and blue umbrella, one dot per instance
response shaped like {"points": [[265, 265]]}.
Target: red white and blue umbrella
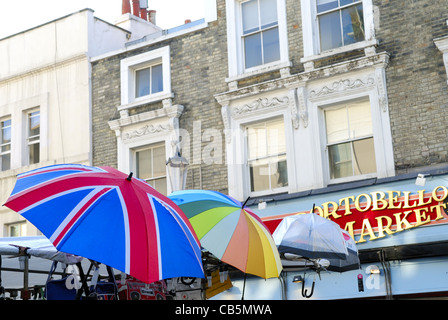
{"points": [[105, 215]]}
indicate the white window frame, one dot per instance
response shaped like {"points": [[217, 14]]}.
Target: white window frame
{"points": [[380, 123], [134, 163], [21, 227], [17, 112], [128, 68], [351, 140], [27, 142], [235, 42], [270, 190], [311, 46], [9, 152], [237, 117]]}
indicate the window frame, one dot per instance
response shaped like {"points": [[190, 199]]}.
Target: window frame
{"points": [[135, 163], [128, 68], [247, 110], [151, 68], [260, 31], [21, 227], [268, 156], [381, 134], [8, 152], [236, 68], [339, 10], [311, 40], [28, 143], [17, 112], [349, 140]]}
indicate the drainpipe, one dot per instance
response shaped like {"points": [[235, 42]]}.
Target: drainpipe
{"points": [[125, 7]]}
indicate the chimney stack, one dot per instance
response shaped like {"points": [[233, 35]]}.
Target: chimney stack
{"points": [[152, 16], [125, 7], [144, 14], [136, 8]]}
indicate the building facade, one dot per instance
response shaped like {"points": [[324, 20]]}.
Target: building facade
{"points": [[295, 103], [333, 103], [156, 94]]}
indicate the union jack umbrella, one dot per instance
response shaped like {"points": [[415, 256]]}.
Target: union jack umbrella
{"points": [[105, 215]]}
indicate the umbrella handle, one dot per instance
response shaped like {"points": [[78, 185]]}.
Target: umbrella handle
{"points": [[305, 291]]}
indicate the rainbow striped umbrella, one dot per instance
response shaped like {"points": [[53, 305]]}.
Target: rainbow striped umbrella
{"points": [[233, 234], [105, 215]]}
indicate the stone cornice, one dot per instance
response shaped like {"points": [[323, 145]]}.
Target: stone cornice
{"points": [[379, 60]]}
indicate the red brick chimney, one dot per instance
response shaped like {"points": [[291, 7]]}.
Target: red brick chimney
{"points": [[136, 8], [144, 14], [125, 7]]}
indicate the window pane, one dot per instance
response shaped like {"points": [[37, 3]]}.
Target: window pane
{"points": [[5, 131], [336, 123], [330, 31], [250, 16], [268, 13], [5, 162], [34, 124], [157, 79], [353, 24], [252, 50], [257, 141], [340, 160], [271, 46], [360, 119], [144, 168], [259, 175], [276, 137], [159, 185], [364, 156], [17, 230], [345, 2], [279, 173], [267, 155], [34, 153], [142, 82], [14, 231], [324, 5], [151, 167], [33, 137], [159, 166]]}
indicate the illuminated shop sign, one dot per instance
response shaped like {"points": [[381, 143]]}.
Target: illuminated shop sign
{"points": [[371, 216]]}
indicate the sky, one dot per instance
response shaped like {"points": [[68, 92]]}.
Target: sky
{"points": [[20, 15]]}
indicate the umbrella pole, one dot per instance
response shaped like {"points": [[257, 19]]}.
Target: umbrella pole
{"points": [[244, 286], [25, 279], [244, 204]]}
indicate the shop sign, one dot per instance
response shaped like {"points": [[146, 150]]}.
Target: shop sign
{"points": [[372, 216]]}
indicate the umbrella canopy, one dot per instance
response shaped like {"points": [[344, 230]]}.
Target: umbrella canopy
{"points": [[105, 215], [351, 262], [310, 236], [233, 234]]}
